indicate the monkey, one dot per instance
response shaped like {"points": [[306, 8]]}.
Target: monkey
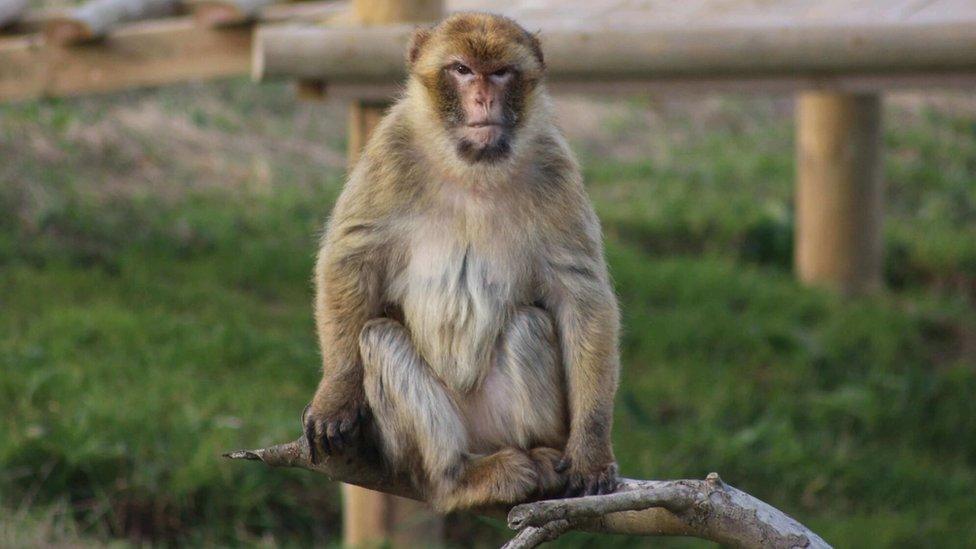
{"points": [[463, 304]]}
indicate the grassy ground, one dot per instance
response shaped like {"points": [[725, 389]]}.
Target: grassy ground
{"points": [[155, 254]]}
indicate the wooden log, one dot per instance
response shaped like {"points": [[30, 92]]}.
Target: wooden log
{"points": [[839, 203], [317, 12], [278, 11], [94, 19], [384, 12], [375, 55], [363, 117], [11, 11], [224, 13], [146, 54]]}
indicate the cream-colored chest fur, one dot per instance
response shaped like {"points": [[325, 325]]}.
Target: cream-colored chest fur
{"points": [[469, 265]]}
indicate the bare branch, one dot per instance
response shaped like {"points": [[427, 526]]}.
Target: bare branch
{"points": [[532, 536], [707, 509], [360, 466], [630, 496]]}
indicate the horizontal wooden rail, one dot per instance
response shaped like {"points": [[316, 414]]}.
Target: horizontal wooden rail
{"points": [[96, 18], [148, 53], [920, 53], [222, 13]]}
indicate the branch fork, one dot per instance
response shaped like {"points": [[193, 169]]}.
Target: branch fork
{"points": [[708, 509]]}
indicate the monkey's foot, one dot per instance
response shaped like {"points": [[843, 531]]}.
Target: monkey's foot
{"points": [[598, 481], [506, 477], [546, 460], [330, 432]]}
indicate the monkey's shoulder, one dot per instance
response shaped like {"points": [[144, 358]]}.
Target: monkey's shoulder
{"points": [[386, 177]]}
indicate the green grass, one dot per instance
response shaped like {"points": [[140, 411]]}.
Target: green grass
{"points": [[155, 312]]}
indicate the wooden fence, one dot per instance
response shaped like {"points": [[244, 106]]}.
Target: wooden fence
{"points": [[838, 57], [108, 45]]}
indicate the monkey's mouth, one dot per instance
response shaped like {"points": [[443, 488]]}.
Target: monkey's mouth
{"points": [[484, 143], [483, 134]]}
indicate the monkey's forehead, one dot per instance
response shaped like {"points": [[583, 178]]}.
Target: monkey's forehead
{"points": [[480, 37], [499, 26]]}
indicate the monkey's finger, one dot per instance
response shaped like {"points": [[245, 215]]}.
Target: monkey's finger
{"points": [[592, 486], [310, 439], [348, 427], [574, 486], [322, 440], [351, 430], [607, 485], [562, 465], [334, 436]]}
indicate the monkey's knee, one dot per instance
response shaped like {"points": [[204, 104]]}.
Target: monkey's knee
{"points": [[386, 350], [379, 340], [533, 324]]}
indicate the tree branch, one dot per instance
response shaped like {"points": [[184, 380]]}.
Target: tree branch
{"points": [[707, 509]]}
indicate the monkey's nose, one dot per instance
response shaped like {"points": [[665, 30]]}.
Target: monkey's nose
{"points": [[483, 100]]}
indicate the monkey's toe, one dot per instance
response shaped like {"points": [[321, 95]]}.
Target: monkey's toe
{"points": [[332, 433], [546, 460], [602, 482], [316, 435], [593, 483]]}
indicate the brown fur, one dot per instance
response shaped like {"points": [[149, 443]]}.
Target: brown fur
{"points": [[468, 304]]}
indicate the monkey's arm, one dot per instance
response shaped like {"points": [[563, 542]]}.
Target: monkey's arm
{"points": [[585, 309], [348, 276]]}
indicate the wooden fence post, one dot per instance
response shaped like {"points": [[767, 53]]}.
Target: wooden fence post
{"points": [[373, 518], [839, 198]]}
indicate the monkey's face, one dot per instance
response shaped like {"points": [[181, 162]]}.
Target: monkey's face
{"points": [[479, 71], [482, 113]]}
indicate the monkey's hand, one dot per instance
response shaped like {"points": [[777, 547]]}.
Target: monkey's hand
{"points": [[332, 422], [585, 478]]}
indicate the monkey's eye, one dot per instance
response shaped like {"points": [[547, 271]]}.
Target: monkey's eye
{"points": [[502, 71], [461, 69]]}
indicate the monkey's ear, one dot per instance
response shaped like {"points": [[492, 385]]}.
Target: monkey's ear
{"points": [[417, 42], [536, 46]]}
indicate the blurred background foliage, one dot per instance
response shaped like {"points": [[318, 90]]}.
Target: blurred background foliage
{"points": [[156, 249]]}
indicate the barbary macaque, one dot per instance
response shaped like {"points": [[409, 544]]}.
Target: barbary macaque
{"points": [[464, 308]]}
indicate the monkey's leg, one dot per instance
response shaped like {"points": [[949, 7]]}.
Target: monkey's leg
{"points": [[412, 409], [416, 415]]}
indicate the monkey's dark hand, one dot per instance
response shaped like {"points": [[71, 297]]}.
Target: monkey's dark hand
{"points": [[332, 426], [588, 481]]}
